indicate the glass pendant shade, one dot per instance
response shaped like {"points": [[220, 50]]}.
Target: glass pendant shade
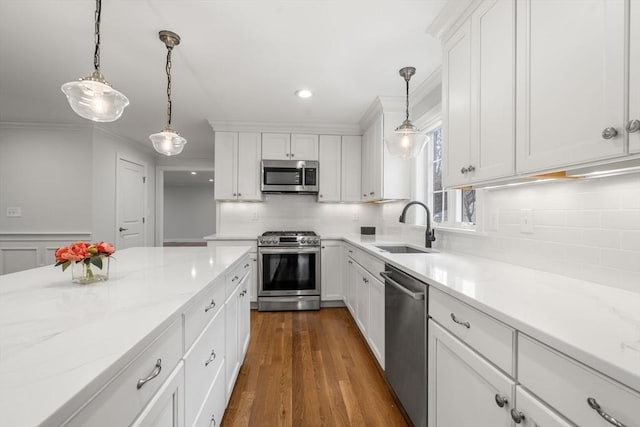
{"points": [[94, 99], [168, 142], [407, 141]]}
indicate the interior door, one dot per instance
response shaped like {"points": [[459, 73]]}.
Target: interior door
{"points": [[130, 204]]}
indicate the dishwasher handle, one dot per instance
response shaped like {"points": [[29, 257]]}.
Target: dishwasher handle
{"points": [[398, 286]]}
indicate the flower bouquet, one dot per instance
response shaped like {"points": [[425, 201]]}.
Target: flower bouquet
{"points": [[90, 261]]}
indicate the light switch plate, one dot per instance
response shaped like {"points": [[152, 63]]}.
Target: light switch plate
{"points": [[526, 221], [14, 212]]}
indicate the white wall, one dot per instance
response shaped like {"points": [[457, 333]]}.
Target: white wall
{"points": [[589, 229], [189, 212], [294, 212]]}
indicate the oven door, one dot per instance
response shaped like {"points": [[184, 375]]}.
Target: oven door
{"points": [[288, 271]]}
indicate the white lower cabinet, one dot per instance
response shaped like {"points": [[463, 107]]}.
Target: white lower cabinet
{"points": [[211, 413], [362, 300], [331, 271], [464, 389], [244, 317], [350, 284], [531, 412], [376, 318], [237, 312], [166, 409]]}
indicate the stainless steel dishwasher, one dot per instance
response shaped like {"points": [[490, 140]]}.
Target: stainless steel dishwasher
{"points": [[405, 319]]}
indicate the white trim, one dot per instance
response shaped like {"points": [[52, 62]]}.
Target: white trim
{"points": [[451, 15], [41, 125], [381, 104], [425, 88], [147, 147], [45, 236], [297, 127]]}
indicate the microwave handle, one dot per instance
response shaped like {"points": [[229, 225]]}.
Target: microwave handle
{"points": [[304, 176]]}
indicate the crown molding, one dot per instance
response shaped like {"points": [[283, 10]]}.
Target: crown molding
{"points": [[381, 104], [281, 127], [139, 144], [45, 125], [449, 16], [427, 86]]}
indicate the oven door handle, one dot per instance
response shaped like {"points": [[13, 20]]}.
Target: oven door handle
{"points": [[289, 250]]}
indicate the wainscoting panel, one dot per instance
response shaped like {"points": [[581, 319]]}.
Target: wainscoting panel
{"points": [[18, 259]]}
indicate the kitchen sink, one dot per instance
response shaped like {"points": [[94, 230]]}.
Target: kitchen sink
{"points": [[404, 249]]}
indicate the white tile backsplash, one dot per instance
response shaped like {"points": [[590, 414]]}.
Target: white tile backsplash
{"points": [[589, 229]]}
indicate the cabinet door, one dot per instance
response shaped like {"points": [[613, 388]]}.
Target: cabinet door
{"points": [[367, 142], [362, 300], [331, 268], [253, 257], [351, 169], [226, 166], [244, 317], [570, 82], [232, 356], [166, 409], [395, 172], [350, 284], [634, 73], [276, 146], [463, 386], [376, 147], [304, 147], [536, 413], [493, 88], [330, 167], [456, 106], [249, 155], [376, 318]]}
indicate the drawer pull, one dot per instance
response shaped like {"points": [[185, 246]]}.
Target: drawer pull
{"points": [[212, 357], [211, 306], [213, 420], [154, 373], [517, 416], [501, 400], [596, 407], [246, 265], [234, 278], [460, 322]]}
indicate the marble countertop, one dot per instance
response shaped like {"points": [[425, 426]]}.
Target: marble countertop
{"points": [[59, 341], [595, 324]]}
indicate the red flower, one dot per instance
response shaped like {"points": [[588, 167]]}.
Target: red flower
{"points": [[105, 248]]}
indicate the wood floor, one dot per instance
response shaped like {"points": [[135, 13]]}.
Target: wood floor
{"points": [[310, 368]]}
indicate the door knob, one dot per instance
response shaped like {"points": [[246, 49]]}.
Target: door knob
{"points": [[609, 133], [123, 229]]}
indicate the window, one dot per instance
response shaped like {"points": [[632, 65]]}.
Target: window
{"points": [[450, 208]]}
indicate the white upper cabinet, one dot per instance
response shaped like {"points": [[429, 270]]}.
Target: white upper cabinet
{"points": [[383, 176], [570, 82], [351, 168], [478, 96], [634, 78], [304, 147], [284, 146], [330, 168], [237, 166]]}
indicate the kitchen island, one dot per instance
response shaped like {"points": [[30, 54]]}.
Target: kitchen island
{"points": [[62, 343]]}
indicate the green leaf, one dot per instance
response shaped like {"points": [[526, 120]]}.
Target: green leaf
{"points": [[97, 261], [65, 265]]}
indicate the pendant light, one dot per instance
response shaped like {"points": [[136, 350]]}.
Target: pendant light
{"points": [[168, 142], [92, 97], [407, 141]]}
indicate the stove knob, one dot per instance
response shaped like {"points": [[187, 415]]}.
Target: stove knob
{"points": [[261, 241], [316, 241], [303, 241]]}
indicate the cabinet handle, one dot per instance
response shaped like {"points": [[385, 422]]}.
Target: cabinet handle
{"points": [[234, 194], [239, 194], [246, 265], [350, 262], [460, 322], [211, 306], [517, 416], [350, 251], [372, 193], [154, 373], [366, 280], [286, 154], [501, 400], [364, 195], [213, 420], [464, 170], [321, 196], [609, 133], [234, 278], [292, 155], [471, 168], [596, 407], [633, 126], [212, 357]]}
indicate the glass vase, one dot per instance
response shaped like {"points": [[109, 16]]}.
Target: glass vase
{"points": [[84, 274]]}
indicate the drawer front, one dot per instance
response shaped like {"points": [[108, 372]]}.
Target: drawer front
{"points": [[566, 384], [536, 413], [372, 264], [214, 404], [483, 333], [201, 365], [121, 401], [236, 274], [200, 313]]}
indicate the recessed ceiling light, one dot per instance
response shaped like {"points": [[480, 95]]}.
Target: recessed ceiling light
{"points": [[304, 93], [194, 173], [210, 179]]}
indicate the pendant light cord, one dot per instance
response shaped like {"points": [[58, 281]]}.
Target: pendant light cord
{"points": [[96, 53], [168, 69], [407, 82]]}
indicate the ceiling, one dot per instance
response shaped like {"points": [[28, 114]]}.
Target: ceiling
{"points": [[239, 60]]}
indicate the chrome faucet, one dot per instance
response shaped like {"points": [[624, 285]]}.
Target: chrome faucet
{"points": [[429, 235]]}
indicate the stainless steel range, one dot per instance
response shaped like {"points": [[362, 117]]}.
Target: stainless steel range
{"points": [[288, 271]]}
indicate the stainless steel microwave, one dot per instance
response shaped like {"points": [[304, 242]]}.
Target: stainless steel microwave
{"points": [[290, 176]]}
